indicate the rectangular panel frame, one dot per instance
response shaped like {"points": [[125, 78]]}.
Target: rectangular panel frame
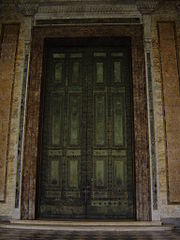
{"points": [[122, 160], [120, 94], [63, 78], [95, 187], [96, 94], [54, 96], [70, 74], [69, 119]]}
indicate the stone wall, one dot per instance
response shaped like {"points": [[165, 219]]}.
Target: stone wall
{"points": [[166, 49], [11, 65]]}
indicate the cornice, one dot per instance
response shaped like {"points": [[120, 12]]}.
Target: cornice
{"points": [[87, 9], [101, 8]]}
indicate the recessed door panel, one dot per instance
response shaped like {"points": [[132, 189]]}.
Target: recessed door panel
{"points": [[100, 119], [87, 160], [62, 158], [56, 119], [74, 119], [118, 110]]}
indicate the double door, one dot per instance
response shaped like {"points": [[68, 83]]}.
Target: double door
{"points": [[86, 154]]}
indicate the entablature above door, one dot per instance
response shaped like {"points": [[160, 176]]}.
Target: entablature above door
{"points": [[84, 9]]}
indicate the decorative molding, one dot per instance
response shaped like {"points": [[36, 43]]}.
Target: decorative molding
{"points": [[147, 7], [77, 2], [21, 125], [152, 131], [27, 47], [30, 8], [66, 9], [88, 21], [27, 8], [152, 147], [147, 44], [82, 8], [87, 11]]}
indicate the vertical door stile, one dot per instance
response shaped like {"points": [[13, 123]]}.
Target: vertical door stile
{"points": [[84, 127], [109, 94], [89, 120], [65, 126]]}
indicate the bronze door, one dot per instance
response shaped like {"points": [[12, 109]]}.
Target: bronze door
{"points": [[87, 160]]}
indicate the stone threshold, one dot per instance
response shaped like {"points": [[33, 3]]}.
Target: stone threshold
{"points": [[87, 225]]}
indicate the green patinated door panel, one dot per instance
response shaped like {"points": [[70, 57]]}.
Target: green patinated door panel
{"points": [[109, 138], [63, 150], [87, 160]]}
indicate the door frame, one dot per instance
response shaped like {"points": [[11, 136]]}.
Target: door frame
{"points": [[139, 105]]}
